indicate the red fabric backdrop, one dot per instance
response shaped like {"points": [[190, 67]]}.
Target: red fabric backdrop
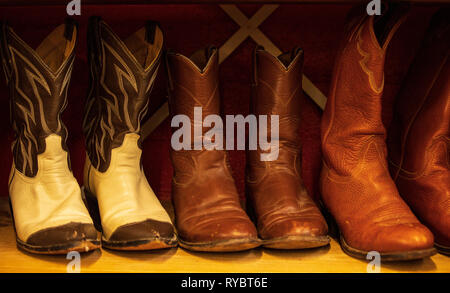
{"points": [[317, 28]]}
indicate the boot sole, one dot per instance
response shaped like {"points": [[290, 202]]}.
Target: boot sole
{"points": [[221, 246], [144, 244], [445, 250], [296, 242], [132, 245], [287, 242], [79, 246]]}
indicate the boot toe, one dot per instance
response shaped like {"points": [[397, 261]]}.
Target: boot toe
{"points": [[145, 230], [222, 230], [296, 227], [396, 238], [407, 237], [63, 235]]}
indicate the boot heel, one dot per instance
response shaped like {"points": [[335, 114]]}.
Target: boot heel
{"points": [[11, 212], [333, 228], [92, 205]]}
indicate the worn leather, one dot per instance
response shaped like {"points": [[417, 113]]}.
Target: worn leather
{"points": [[419, 143], [45, 196], [124, 196], [38, 81], [122, 76], [355, 182], [280, 200], [48, 200], [207, 208]]}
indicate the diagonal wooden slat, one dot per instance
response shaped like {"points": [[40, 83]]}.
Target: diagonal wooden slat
{"points": [[264, 41], [313, 92], [251, 26], [248, 26]]}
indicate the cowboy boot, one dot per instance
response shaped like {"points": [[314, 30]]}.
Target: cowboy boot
{"points": [[207, 210], [122, 76], [419, 143], [49, 214], [287, 217], [355, 182]]}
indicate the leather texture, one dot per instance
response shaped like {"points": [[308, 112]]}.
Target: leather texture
{"points": [[38, 81], [419, 142], [50, 199], [355, 183], [122, 76], [124, 195], [45, 196], [275, 188], [206, 202]]}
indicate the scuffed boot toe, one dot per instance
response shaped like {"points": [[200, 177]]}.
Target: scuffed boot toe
{"points": [[296, 233], [396, 242], [232, 234], [61, 239], [148, 234]]}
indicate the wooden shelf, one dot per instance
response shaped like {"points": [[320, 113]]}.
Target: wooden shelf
{"points": [[134, 2], [328, 259]]}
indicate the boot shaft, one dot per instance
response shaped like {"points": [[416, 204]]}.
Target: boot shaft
{"points": [[277, 90], [352, 117], [194, 82], [38, 81], [122, 76], [420, 130]]}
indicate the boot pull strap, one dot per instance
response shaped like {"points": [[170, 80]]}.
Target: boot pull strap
{"points": [[4, 53], [255, 65], [150, 31], [169, 74], [297, 50], [169, 80], [209, 51], [70, 25], [387, 24], [94, 39], [254, 78]]}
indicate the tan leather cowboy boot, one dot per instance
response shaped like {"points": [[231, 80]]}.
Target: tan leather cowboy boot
{"points": [[355, 182], [122, 76], [49, 214], [207, 209], [287, 217], [419, 143]]}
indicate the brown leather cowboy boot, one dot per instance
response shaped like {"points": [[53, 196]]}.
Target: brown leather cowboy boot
{"points": [[49, 214], [419, 143], [287, 217], [122, 76], [207, 209], [355, 182]]}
